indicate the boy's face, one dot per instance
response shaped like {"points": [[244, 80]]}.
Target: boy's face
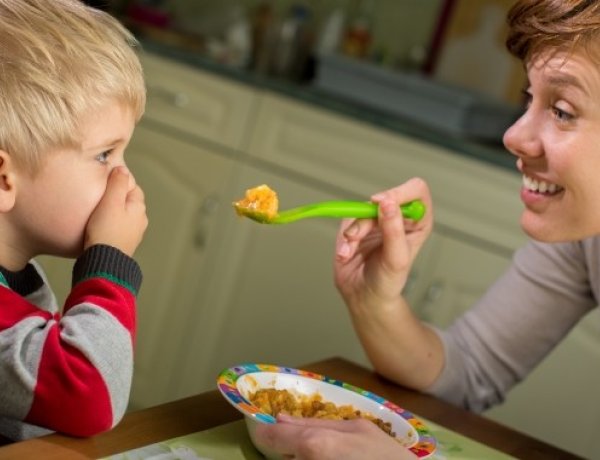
{"points": [[557, 142], [52, 208]]}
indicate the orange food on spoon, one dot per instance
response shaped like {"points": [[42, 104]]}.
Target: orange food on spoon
{"points": [[260, 202]]}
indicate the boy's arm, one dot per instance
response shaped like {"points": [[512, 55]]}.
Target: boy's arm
{"points": [[72, 373]]}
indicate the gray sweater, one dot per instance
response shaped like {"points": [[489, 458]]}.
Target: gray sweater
{"points": [[68, 369], [544, 293]]}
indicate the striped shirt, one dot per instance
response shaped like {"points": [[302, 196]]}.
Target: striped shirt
{"points": [[68, 371]]}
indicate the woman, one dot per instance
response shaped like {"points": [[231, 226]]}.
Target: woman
{"points": [[553, 281]]}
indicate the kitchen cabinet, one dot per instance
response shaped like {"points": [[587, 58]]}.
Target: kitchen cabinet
{"points": [[183, 191], [456, 273], [197, 104], [274, 299], [182, 154]]}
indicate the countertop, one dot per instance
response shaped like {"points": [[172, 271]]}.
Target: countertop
{"points": [[186, 52], [208, 410]]}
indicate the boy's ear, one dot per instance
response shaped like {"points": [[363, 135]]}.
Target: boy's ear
{"points": [[8, 191]]}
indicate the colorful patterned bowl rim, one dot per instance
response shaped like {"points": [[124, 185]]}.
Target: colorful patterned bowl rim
{"points": [[227, 384]]}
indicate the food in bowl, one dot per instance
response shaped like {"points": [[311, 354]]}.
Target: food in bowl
{"points": [[238, 383], [275, 402]]}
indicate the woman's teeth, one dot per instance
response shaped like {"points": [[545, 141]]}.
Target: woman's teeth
{"points": [[540, 186]]}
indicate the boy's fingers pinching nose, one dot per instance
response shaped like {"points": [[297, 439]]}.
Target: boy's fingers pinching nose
{"points": [[118, 183]]}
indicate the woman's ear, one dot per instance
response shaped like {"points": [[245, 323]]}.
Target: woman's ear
{"points": [[8, 190]]}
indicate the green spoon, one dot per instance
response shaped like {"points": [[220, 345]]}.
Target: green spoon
{"points": [[414, 210]]}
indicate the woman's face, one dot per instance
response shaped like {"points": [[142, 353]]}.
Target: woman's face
{"points": [[557, 142]]}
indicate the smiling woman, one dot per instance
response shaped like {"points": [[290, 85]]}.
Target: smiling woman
{"points": [[553, 281], [555, 143]]}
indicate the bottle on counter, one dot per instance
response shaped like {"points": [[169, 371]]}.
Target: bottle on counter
{"points": [[228, 36], [293, 50], [358, 36], [264, 37], [238, 39], [331, 34]]}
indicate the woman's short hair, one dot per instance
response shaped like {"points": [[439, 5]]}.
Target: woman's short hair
{"points": [[60, 59], [536, 26]]}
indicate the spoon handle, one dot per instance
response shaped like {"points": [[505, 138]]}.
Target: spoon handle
{"points": [[414, 210]]}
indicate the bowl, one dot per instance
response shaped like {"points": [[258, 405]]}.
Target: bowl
{"points": [[238, 382]]}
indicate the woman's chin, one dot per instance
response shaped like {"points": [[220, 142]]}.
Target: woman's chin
{"points": [[539, 229], [553, 231]]}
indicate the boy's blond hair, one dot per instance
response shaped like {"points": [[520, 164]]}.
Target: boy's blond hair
{"points": [[60, 59]]}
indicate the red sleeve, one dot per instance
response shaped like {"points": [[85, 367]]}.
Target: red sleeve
{"points": [[70, 395]]}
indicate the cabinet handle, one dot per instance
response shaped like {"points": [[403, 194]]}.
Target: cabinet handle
{"points": [[434, 291], [206, 209], [426, 310], [179, 99]]}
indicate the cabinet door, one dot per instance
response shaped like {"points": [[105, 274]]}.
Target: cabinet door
{"points": [[195, 102], [278, 303], [183, 186], [456, 274]]}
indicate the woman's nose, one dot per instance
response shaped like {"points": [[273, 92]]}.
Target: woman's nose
{"points": [[523, 137]]}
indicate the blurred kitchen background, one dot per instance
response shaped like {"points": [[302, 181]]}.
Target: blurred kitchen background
{"points": [[447, 52], [322, 100]]}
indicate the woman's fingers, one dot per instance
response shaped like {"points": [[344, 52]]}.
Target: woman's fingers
{"points": [[337, 425]]}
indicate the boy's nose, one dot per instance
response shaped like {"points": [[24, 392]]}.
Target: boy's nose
{"points": [[523, 137], [131, 184]]}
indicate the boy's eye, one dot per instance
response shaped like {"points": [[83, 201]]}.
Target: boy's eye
{"points": [[103, 157]]}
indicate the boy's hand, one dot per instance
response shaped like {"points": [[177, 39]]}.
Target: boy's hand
{"points": [[119, 219]]}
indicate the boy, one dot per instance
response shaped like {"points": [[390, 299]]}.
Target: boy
{"points": [[71, 92]]}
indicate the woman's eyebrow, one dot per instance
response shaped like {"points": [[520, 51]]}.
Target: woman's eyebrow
{"points": [[562, 80]]}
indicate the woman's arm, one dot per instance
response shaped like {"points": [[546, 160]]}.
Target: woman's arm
{"points": [[373, 260]]}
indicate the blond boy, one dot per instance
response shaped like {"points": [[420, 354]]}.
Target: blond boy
{"points": [[71, 92]]}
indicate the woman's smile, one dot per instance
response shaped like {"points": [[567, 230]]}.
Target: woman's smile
{"points": [[537, 194]]}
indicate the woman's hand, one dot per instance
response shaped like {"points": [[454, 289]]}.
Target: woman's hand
{"points": [[373, 258], [312, 439]]}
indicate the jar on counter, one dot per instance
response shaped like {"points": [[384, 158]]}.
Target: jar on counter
{"points": [[264, 37], [293, 45], [358, 36]]}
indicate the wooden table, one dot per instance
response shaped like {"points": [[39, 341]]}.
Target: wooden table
{"points": [[210, 409]]}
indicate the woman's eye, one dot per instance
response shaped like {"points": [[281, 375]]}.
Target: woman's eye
{"points": [[562, 115], [103, 157], [526, 99]]}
